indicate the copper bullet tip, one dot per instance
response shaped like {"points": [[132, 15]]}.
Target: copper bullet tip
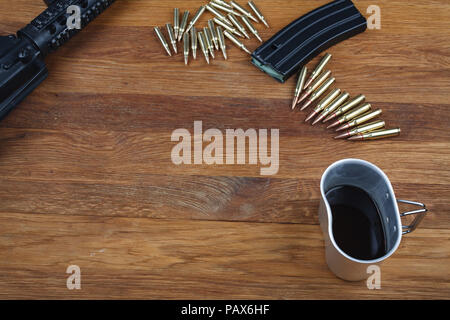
{"points": [[303, 97], [342, 136], [308, 83], [334, 124], [331, 116], [343, 127], [311, 115], [354, 138], [294, 103], [307, 103], [246, 50], [319, 118]]}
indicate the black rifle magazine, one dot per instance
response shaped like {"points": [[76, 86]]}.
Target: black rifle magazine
{"points": [[299, 42]]}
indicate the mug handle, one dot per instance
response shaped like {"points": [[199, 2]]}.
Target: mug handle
{"points": [[420, 215]]}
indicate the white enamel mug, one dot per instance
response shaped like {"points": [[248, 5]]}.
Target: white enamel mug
{"points": [[368, 177]]}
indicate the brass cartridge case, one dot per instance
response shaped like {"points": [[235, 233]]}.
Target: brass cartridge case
{"points": [[346, 107], [222, 43], [238, 43], [316, 84], [351, 115], [186, 48], [360, 120], [212, 29], [299, 87], [250, 27], [172, 38], [372, 126], [203, 46], [333, 106], [244, 12], [183, 25], [324, 103], [228, 27], [316, 72], [223, 3], [197, 16], [162, 39], [238, 25], [176, 21], [194, 42], [224, 8], [258, 13], [209, 42], [378, 134], [217, 13], [319, 92]]}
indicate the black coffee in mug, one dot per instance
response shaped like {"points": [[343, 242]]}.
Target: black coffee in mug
{"points": [[357, 225], [360, 218]]}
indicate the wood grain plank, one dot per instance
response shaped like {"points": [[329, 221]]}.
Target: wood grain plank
{"points": [[143, 112], [93, 155], [86, 176], [156, 259], [266, 200]]}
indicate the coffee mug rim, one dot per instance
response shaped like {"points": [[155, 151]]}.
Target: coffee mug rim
{"points": [[330, 218]]}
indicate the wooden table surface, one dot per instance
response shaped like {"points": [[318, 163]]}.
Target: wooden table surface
{"points": [[86, 176]]}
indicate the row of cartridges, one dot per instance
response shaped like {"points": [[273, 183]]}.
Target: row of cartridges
{"points": [[232, 21], [353, 118]]}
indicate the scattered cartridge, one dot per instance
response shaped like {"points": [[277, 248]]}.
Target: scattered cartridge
{"points": [[360, 120], [316, 72], [202, 41], [212, 29], [375, 135], [172, 38], [258, 13], [236, 41], [186, 48], [223, 3], [197, 16], [316, 84], [346, 107], [209, 41], [222, 43], [176, 21], [372, 126], [163, 41], [224, 8], [217, 13], [352, 114], [324, 103], [299, 87], [250, 27], [333, 106], [319, 92], [183, 25], [194, 42], [228, 27], [244, 12], [238, 25]]}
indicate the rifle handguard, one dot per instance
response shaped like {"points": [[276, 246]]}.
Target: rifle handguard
{"points": [[22, 66]]}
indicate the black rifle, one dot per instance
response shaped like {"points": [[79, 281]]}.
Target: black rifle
{"points": [[22, 66]]}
